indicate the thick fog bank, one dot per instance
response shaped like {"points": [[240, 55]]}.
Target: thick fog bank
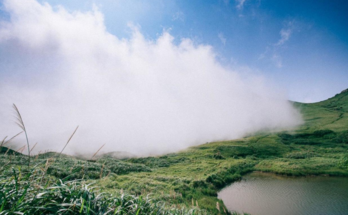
{"points": [[63, 69]]}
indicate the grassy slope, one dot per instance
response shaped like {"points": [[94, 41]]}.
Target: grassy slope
{"points": [[329, 114], [319, 146]]}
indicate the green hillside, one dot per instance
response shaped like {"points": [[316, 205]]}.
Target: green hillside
{"points": [[320, 146], [5, 150], [194, 176], [329, 114]]}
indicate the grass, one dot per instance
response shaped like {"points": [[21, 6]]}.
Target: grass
{"points": [[190, 179], [33, 193], [20, 123]]}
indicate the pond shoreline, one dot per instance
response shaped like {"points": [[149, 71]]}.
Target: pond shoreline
{"points": [[259, 190]]}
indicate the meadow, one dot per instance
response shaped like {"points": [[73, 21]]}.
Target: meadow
{"points": [[185, 182]]}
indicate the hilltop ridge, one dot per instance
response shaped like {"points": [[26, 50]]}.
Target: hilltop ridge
{"points": [[339, 101], [328, 114]]}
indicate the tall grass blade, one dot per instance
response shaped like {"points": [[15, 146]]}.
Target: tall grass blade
{"points": [[97, 151], [33, 147], [68, 140], [2, 142], [20, 123], [9, 140]]}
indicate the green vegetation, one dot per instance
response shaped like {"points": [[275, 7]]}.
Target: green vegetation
{"points": [[33, 193], [191, 179]]}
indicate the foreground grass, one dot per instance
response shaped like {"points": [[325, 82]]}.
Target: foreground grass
{"points": [[192, 178], [34, 192]]}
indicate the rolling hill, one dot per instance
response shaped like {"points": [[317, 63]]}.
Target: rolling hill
{"points": [[192, 178], [319, 146]]}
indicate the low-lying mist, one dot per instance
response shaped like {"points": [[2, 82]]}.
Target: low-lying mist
{"points": [[64, 69]]}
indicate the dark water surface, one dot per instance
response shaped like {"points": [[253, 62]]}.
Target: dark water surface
{"points": [[268, 194]]}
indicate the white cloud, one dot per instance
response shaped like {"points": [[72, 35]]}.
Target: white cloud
{"points": [[179, 16], [285, 33], [222, 38], [272, 53], [240, 4], [64, 69], [284, 36]]}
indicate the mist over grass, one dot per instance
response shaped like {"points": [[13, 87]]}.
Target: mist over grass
{"points": [[64, 69]]}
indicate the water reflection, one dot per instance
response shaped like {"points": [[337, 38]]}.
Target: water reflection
{"points": [[267, 194]]}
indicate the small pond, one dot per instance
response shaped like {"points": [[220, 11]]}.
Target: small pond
{"points": [[268, 194]]}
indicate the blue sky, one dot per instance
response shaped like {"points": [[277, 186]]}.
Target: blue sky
{"points": [[301, 46]]}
